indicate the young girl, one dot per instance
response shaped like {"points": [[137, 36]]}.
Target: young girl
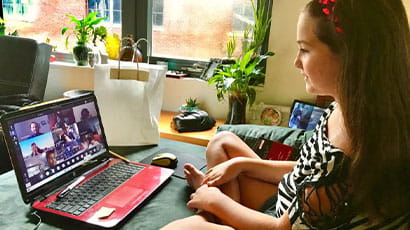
{"points": [[353, 172]]}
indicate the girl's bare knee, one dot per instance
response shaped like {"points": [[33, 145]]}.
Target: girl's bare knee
{"points": [[176, 224], [217, 145], [194, 222], [221, 138]]}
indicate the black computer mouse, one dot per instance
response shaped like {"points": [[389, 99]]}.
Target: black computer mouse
{"points": [[167, 160]]}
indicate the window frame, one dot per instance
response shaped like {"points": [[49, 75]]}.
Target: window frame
{"points": [[111, 13], [1, 9], [141, 27], [162, 16]]}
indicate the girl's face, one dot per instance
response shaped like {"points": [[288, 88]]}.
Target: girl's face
{"points": [[317, 63]]}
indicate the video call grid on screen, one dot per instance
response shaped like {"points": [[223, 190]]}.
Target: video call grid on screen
{"points": [[304, 115], [51, 143]]}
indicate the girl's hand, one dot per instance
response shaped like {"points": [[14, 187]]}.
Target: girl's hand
{"points": [[222, 173], [203, 197]]}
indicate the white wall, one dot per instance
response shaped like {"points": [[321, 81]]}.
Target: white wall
{"points": [[177, 90], [284, 83], [407, 6]]}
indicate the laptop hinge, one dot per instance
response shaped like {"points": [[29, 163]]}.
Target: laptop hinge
{"points": [[44, 195], [40, 197]]}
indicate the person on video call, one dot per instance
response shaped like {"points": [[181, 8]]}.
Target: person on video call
{"points": [[89, 140], [35, 150], [51, 158], [85, 114], [353, 173], [35, 129]]}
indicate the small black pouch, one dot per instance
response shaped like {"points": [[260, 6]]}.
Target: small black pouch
{"points": [[192, 121]]}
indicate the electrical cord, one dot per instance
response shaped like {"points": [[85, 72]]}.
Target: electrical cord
{"points": [[119, 156], [39, 219]]}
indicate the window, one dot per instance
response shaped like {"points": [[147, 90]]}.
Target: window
{"points": [[242, 16], [184, 32], [44, 20], [157, 12], [107, 8], [196, 29], [20, 10]]}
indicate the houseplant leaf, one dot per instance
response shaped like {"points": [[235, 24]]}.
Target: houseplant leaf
{"points": [[245, 59]]}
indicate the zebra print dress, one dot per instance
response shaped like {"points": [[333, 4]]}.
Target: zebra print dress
{"points": [[323, 168]]}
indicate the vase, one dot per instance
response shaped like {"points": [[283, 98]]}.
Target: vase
{"points": [[94, 56], [127, 51], [237, 109], [80, 53], [137, 55]]}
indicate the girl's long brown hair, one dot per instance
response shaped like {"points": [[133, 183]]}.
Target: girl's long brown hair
{"points": [[374, 94]]}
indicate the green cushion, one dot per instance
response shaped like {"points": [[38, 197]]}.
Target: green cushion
{"points": [[250, 134]]}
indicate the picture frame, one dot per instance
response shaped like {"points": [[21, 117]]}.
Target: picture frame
{"points": [[304, 115], [270, 116], [264, 114]]}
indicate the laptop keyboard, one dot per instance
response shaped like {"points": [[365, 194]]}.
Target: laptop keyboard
{"points": [[89, 193]]}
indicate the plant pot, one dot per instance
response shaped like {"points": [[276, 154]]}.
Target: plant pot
{"points": [[227, 61], [237, 110], [184, 108], [80, 53]]}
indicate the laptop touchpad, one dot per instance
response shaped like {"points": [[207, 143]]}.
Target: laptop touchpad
{"points": [[124, 196]]}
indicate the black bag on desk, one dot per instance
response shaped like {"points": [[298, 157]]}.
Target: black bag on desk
{"points": [[192, 121]]}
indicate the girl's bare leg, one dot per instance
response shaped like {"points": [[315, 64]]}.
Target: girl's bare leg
{"points": [[201, 221], [248, 191], [222, 147]]}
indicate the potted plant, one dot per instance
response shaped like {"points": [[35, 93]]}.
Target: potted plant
{"points": [[230, 49], [255, 34], [100, 33], [83, 31], [237, 81], [190, 105], [2, 27]]}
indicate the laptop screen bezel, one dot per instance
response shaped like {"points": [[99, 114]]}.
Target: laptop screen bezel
{"points": [[29, 197]]}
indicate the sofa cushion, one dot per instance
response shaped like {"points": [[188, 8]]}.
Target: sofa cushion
{"points": [[250, 134]]}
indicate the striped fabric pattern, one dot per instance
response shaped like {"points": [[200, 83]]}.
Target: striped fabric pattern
{"points": [[317, 158], [318, 164]]}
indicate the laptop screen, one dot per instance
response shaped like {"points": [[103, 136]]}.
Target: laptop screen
{"points": [[51, 142]]}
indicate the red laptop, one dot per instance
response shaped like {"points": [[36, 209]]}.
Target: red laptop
{"points": [[63, 166]]}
